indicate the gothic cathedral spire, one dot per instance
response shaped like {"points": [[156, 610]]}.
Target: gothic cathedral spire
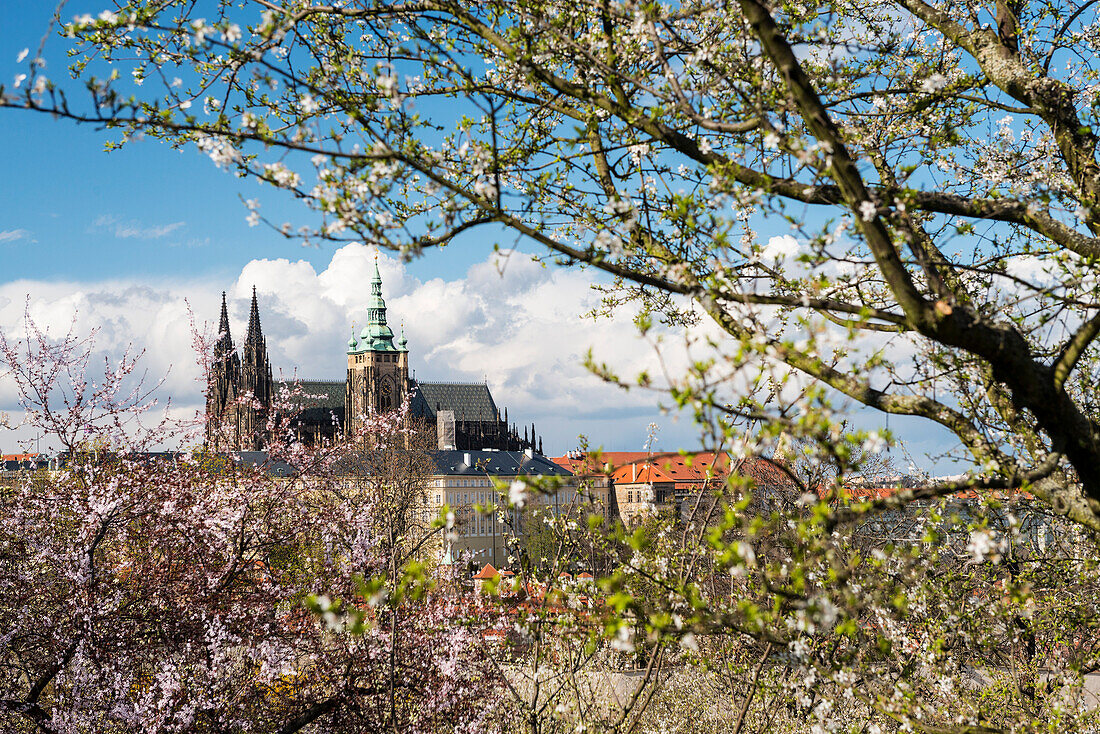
{"points": [[256, 382], [225, 340], [238, 393], [223, 383]]}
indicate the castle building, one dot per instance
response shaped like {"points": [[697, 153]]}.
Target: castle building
{"points": [[464, 416]]}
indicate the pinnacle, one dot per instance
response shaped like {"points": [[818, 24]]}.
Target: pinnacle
{"points": [[254, 332], [225, 341]]}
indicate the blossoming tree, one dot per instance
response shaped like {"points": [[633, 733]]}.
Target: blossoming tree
{"points": [[926, 180], [165, 592]]}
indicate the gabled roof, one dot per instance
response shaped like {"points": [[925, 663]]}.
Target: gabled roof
{"points": [[672, 466], [767, 473], [261, 460], [640, 474], [320, 400], [486, 573], [470, 401]]}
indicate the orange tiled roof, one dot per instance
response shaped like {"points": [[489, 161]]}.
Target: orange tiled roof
{"points": [[685, 471], [486, 573]]}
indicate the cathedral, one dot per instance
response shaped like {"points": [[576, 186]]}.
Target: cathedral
{"points": [[462, 415]]}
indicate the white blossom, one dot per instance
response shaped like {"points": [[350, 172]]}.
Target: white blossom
{"points": [[308, 104], [874, 443], [517, 493]]}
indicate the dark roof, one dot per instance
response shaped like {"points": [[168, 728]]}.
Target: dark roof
{"points": [[320, 409], [470, 401], [495, 463], [260, 459], [24, 465], [330, 393]]}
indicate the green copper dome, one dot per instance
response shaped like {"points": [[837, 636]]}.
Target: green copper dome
{"points": [[376, 336]]}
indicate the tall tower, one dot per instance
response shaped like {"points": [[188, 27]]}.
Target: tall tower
{"points": [[238, 392], [222, 385], [378, 369], [256, 383]]}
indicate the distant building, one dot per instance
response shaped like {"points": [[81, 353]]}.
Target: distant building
{"points": [[465, 479], [464, 416], [681, 485]]}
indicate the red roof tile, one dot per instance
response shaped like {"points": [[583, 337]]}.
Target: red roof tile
{"points": [[486, 573]]}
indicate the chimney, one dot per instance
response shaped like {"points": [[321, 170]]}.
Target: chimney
{"points": [[466, 459], [445, 430], [633, 472], [529, 453]]}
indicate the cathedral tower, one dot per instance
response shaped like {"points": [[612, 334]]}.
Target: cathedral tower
{"points": [[256, 383], [222, 383], [378, 369], [238, 392]]}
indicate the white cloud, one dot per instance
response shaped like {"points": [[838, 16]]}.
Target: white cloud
{"points": [[133, 229], [15, 235], [782, 247], [516, 324]]}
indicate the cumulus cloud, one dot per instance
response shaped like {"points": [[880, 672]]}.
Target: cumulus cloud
{"points": [[515, 324], [782, 247]]}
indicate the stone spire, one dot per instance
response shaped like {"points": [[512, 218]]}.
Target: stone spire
{"points": [[255, 380], [224, 345], [223, 385], [255, 334]]}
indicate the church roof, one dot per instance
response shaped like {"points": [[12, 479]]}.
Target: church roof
{"points": [[329, 393], [328, 400], [470, 401]]}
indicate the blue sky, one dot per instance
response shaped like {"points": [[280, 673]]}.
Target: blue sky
{"points": [[61, 188], [123, 237], [126, 236]]}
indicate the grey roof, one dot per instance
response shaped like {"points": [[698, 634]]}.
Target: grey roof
{"points": [[319, 410], [261, 460], [330, 392], [495, 463], [470, 401]]}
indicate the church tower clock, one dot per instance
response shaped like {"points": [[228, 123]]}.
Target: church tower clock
{"points": [[378, 368]]}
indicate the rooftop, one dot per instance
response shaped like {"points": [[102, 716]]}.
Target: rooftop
{"points": [[496, 463]]}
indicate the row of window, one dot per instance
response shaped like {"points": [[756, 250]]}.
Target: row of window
{"points": [[461, 483], [466, 498]]}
